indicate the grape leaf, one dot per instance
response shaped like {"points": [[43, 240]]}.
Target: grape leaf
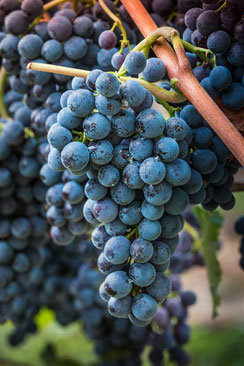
{"points": [[210, 227]]}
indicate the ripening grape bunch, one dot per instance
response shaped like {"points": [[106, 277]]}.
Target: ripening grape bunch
{"points": [[101, 157]]}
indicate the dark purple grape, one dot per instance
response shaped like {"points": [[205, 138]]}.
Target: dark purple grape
{"points": [[208, 22], [107, 40], [9, 5], [32, 9], [60, 28], [191, 17], [17, 22], [162, 7]]}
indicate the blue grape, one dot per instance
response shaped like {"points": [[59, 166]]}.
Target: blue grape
{"points": [[107, 84], [233, 96], [103, 293], [59, 136], [135, 62], [150, 211], [235, 55], [21, 263], [6, 253], [154, 71], [176, 128], [144, 307], [67, 119], [92, 78], [30, 46], [220, 77], [13, 133], [195, 182], [133, 93], [191, 116], [220, 149], [161, 253], [54, 195], [88, 212], [160, 288], [121, 156], [141, 148], [152, 171], [20, 228], [202, 137], [55, 216], [178, 172], [9, 48], [72, 192], [48, 176], [94, 190], [52, 50], [178, 202], [192, 58], [131, 176], [61, 235], [123, 123], [54, 160], [117, 60], [75, 48], [108, 175], [158, 194], [97, 126], [171, 226], [120, 308], [75, 156], [108, 106], [149, 230], [209, 88], [131, 214], [105, 210], [122, 194], [99, 237], [104, 57], [219, 42], [198, 197], [137, 322], [101, 152], [115, 227], [141, 250], [142, 274], [150, 123], [216, 176], [117, 284], [204, 161], [78, 83], [167, 148], [81, 102], [73, 212], [147, 103], [117, 249]]}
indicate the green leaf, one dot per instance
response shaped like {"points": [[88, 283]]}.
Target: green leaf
{"points": [[44, 317], [210, 224]]}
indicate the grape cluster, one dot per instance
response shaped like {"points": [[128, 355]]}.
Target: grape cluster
{"points": [[212, 166], [23, 227], [239, 228], [222, 33]]}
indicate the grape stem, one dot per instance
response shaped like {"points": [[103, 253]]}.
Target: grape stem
{"points": [[117, 23], [178, 67], [202, 53], [169, 96], [3, 79], [75, 5]]}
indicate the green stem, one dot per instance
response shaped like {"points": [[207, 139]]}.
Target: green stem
{"points": [[75, 5], [160, 93], [166, 105], [165, 32], [131, 233], [3, 79], [221, 7], [202, 53]]}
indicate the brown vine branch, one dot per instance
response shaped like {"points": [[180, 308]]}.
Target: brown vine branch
{"points": [[238, 184], [187, 82]]}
